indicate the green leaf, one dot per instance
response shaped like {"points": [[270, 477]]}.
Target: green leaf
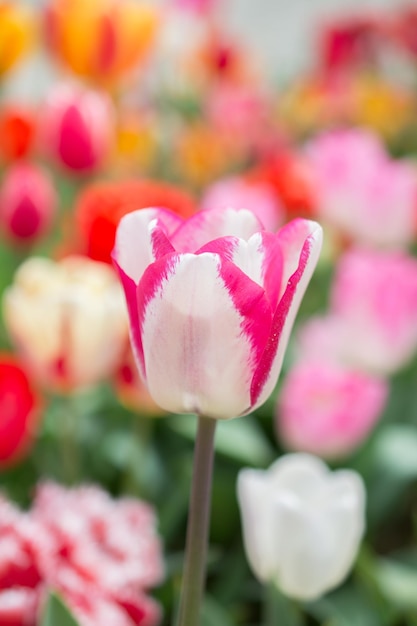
{"points": [[398, 582], [240, 439], [57, 613], [396, 450], [213, 614]]}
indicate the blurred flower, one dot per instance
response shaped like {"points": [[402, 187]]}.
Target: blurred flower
{"points": [[239, 112], [18, 411], [100, 207], [17, 132], [202, 154], [78, 127], [402, 29], [239, 193], [360, 191], [25, 549], [382, 106], [28, 203], [212, 301], [94, 537], [79, 542], [288, 174], [302, 524], [374, 299], [328, 409], [17, 31], [100, 39], [203, 7], [67, 319], [136, 142], [349, 43]]}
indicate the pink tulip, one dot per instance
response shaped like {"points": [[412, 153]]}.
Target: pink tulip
{"points": [[78, 127], [211, 302], [374, 304], [237, 192], [328, 409], [27, 203], [362, 192]]}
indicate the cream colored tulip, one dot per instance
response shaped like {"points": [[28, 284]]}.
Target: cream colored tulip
{"points": [[67, 319], [302, 524]]}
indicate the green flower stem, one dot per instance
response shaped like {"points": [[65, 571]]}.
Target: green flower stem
{"points": [[198, 525]]}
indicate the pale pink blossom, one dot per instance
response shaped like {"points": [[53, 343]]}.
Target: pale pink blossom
{"points": [[360, 191], [212, 301], [239, 193], [374, 303], [328, 409]]}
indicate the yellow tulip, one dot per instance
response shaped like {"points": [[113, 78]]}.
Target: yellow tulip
{"points": [[17, 31]]}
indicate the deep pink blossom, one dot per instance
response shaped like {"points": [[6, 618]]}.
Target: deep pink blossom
{"points": [[27, 203], [328, 409], [78, 127], [212, 301]]}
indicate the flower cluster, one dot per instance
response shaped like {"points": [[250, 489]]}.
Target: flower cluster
{"points": [[79, 542]]}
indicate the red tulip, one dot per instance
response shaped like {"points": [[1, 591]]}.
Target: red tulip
{"points": [[18, 415]]}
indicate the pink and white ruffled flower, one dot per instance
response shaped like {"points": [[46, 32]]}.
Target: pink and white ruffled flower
{"points": [[79, 543], [360, 191], [211, 302], [328, 409]]}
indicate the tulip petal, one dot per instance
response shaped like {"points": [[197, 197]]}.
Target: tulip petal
{"points": [[200, 321], [316, 545], [140, 239], [208, 225], [260, 258], [300, 243]]}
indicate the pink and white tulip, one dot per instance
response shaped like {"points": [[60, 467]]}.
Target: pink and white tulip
{"points": [[78, 127], [360, 191], [212, 301], [328, 409]]}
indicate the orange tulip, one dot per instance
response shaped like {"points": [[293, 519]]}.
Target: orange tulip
{"points": [[100, 39]]}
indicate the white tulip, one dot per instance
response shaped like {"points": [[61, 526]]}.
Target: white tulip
{"points": [[302, 523], [67, 320]]}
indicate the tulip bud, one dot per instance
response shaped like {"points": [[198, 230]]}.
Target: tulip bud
{"points": [[67, 319], [78, 127], [302, 524], [101, 40], [27, 203], [18, 415]]}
